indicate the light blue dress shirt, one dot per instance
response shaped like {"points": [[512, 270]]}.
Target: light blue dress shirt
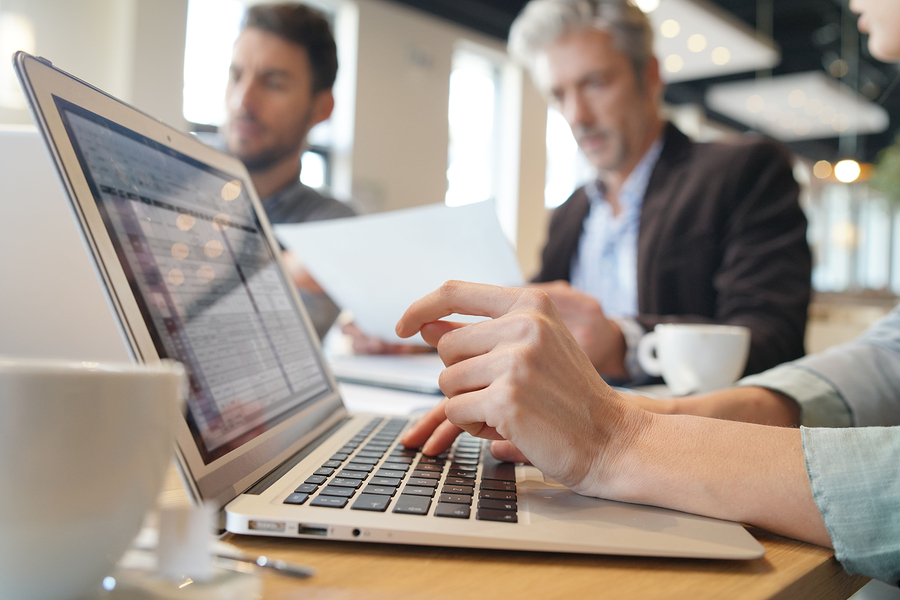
{"points": [[854, 471], [605, 266]]}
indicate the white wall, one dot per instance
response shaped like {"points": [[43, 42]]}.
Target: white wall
{"points": [[133, 49]]}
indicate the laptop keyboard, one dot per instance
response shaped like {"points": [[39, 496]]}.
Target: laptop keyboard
{"points": [[374, 472]]}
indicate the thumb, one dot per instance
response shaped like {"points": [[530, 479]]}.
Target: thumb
{"points": [[506, 451]]}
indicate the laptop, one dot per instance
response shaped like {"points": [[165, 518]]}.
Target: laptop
{"points": [[186, 257]]}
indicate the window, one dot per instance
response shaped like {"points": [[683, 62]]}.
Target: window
{"points": [[854, 235], [472, 155], [212, 28], [567, 167]]}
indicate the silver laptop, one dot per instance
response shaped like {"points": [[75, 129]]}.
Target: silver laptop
{"points": [[187, 259]]}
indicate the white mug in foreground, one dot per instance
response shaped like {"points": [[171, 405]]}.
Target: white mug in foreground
{"points": [[695, 358], [84, 449]]}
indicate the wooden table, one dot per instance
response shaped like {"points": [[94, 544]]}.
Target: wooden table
{"points": [[346, 570]]}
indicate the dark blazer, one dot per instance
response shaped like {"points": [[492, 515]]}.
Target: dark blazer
{"points": [[722, 239]]}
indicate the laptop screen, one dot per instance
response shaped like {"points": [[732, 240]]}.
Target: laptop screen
{"points": [[205, 279]]}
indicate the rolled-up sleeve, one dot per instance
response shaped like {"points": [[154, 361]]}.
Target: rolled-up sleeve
{"points": [[855, 479], [857, 383]]}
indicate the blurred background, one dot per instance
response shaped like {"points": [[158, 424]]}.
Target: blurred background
{"points": [[430, 109]]}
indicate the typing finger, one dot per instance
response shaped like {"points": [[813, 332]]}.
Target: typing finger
{"points": [[422, 429], [441, 438], [507, 451]]}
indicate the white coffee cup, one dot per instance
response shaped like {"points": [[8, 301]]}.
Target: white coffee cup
{"points": [[695, 358], [84, 449]]}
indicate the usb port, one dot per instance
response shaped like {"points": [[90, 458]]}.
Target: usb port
{"points": [[312, 530]]}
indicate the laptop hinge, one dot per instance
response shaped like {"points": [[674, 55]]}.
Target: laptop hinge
{"points": [[263, 484]]}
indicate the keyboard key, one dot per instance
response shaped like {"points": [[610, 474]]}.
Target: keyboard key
{"points": [[348, 450], [380, 490], [501, 471], [397, 458], [502, 486], [326, 471], [364, 460], [458, 467], [458, 499], [458, 473], [391, 474], [345, 482], [333, 490], [418, 491], [469, 462], [329, 501], [454, 480], [369, 453], [371, 502], [504, 516], [315, 479], [349, 475], [412, 505], [395, 466], [495, 495], [454, 511], [331, 464], [431, 460], [497, 505], [388, 481], [352, 466], [426, 474], [340, 456], [296, 498], [466, 490], [306, 488], [409, 452], [422, 482], [427, 467]]}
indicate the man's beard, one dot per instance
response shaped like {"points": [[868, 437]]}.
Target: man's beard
{"points": [[267, 158], [617, 150]]}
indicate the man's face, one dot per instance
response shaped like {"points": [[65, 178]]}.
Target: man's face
{"points": [[594, 86], [269, 99]]}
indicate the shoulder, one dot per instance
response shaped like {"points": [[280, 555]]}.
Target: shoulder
{"points": [[744, 151], [325, 207]]}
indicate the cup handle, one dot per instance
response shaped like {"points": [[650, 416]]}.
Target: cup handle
{"points": [[646, 355]]}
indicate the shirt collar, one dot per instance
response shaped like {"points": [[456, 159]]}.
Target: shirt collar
{"points": [[635, 186]]}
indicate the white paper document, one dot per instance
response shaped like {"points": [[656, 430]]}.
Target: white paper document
{"points": [[377, 265]]}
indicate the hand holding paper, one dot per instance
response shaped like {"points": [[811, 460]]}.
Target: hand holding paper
{"points": [[377, 265]]}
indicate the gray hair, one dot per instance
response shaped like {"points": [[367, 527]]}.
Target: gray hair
{"points": [[542, 22]]}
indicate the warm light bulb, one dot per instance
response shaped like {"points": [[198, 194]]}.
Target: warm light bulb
{"points": [[846, 171], [674, 63], [670, 28], [696, 43], [647, 6], [755, 103], [721, 55], [822, 169]]}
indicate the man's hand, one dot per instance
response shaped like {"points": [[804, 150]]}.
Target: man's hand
{"points": [[521, 377], [302, 279], [600, 338], [364, 344]]}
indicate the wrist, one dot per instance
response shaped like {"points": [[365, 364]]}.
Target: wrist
{"points": [[621, 438]]}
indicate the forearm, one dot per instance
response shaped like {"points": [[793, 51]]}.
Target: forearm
{"points": [[748, 404], [734, 471]]}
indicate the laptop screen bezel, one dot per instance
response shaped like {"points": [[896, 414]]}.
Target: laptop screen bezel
{"points": [[224, 478]]}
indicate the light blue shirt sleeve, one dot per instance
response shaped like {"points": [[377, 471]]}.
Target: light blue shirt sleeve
{"points": [[857, 383], [855, 479]]}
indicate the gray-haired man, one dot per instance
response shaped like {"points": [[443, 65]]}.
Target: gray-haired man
{"points": [[671, 230]]}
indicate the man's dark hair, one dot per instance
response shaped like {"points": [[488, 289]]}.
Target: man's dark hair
{"points": [[305, 27]]}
